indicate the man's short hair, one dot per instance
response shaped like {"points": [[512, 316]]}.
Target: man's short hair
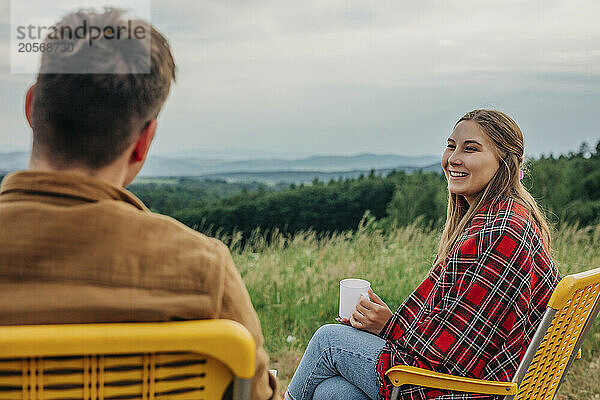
{"points": [[89, 119]]}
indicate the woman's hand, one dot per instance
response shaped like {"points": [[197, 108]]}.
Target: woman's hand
{"points": [[369, 315]]}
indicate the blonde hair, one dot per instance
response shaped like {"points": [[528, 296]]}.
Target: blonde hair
{"points": [[508, 141]]}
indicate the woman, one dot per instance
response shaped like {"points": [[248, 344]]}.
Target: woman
{"points": [[477, 310]]}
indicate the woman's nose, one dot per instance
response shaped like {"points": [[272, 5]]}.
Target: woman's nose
{"points": [[454, 159]]}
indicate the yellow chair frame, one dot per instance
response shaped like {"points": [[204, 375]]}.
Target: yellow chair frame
{"points": [[138, 360], [571, 310]]}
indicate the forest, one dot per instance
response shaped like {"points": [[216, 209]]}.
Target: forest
{"points": [[567, 187]]}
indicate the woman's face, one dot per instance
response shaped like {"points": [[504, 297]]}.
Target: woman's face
{"points": [[469, 160]]}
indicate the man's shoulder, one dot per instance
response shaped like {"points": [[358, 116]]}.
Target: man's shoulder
{"points": [[169, 253], [163, 226], [112, 243], [167, 232]]}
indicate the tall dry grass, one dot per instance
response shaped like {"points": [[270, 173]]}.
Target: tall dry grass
{"points": [[294, 283]]}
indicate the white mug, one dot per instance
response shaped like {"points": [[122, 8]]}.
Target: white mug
{"points": [[350, 292]]}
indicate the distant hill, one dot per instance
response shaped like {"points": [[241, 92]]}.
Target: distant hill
{"points": [[162, 166], [308, 176], [264, 170], [13, 161]]}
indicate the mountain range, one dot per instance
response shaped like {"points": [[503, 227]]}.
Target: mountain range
{"points": [[264, 169]]}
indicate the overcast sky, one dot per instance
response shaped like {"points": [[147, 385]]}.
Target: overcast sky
{"points": [[293, 78]]}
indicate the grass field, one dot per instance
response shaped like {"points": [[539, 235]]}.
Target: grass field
{"points": [[294, 283]]}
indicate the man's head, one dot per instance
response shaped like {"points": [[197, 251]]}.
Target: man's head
{"points": [[90, 121]]}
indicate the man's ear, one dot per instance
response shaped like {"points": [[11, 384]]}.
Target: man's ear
{"points": [[29, 104], [142, 146]]}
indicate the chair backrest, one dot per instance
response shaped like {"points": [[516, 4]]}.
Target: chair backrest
{"points": [[118, 361], [571, 311]]}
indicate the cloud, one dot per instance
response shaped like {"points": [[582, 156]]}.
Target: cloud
{"points": [[339, 73]]}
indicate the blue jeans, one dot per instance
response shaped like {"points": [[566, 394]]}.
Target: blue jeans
{"points": [[339, 362]]}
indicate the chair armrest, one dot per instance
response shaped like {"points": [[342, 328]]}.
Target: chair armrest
{"points": [[407, 375]]}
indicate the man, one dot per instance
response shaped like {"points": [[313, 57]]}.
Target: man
{"points": [[75, 246]]}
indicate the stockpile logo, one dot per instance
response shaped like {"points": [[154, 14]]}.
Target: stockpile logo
{"points": [[73, 38]]}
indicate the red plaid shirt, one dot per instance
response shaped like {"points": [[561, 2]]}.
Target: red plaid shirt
{"points": [[475, 314]]}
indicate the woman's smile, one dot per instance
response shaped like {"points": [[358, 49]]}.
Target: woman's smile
{"points": [[457, 175]]}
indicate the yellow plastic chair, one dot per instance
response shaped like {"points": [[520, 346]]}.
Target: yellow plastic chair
{"points": [[182, 360], [572, 308]]}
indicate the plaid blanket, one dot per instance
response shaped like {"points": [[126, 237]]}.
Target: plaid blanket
{"points": [[475, 314]]}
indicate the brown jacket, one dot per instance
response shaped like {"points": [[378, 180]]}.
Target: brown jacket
{"points": [[75, 249]]}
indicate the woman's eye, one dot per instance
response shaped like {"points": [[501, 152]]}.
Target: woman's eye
{"points": [[471, 148], [450, 146]]}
